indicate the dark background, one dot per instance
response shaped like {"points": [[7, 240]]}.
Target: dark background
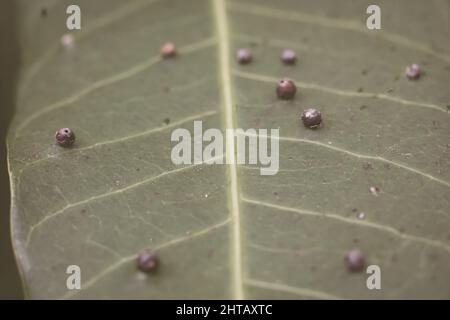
{"points": [[10, 287]]}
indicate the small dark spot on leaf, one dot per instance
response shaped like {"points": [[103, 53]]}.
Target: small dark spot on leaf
{"points": [[402, 230], [44, 12], [356, 240], [83, 210], [364, 72], [166, 121], [374, 190], [137, 169], [360, 89], [448, 107], [390, 90], [166, 89], [157, 194], [354, 210], [367, 166], [275, 193], [433, 256], [387, 166], [363, 107]]}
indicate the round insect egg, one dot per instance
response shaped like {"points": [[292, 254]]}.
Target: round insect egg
{"points": [[286, 89], [168, 50], [244, 56], [67, 41], [312, 118], [147, 261], [413, 72], [65, 137], [355, 260], [288, 56]]}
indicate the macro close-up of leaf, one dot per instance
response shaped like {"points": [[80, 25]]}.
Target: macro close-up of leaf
{"points": [[374, 176]]}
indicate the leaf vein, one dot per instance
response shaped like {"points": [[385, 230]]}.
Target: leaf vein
{"points": [[101, 22], [304, 292], [351, 25], [361, 156], [109, 81], [130, 258], [117, 140], [105, 195], [345, 93], [220, 15], [369, 224]]}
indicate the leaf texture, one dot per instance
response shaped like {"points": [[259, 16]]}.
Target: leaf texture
{"points": [[225, 231]]}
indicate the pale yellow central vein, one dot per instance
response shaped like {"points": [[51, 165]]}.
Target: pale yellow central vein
{"points": [[225, 81]]}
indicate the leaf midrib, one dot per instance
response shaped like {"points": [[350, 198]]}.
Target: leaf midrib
{"points": [[220, 15]]}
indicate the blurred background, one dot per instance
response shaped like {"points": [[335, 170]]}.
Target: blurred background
{"points": [[10, 287]]}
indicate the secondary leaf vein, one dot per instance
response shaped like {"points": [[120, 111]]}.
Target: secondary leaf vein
{"points": [[369, 224], [132, 257], [110, 80], [361, 156], [304, 292], [105, 195], [314, 86]]}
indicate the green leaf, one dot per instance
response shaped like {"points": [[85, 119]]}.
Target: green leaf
{"points": [[225, 231]]}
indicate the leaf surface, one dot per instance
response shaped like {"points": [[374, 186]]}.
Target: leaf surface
{"points": [[225, 231]]}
